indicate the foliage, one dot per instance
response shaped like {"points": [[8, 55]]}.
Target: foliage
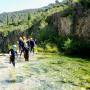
{"points": [[34, 23], [67, 44], [62, 70], [51, 48], [39, 49]]}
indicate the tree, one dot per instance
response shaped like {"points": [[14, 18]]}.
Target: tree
{"points": [[12, 20], [7, 19], [57, 2], [28, 18], [85, 3], [68, 2]]}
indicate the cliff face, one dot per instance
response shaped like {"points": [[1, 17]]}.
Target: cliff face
{"points": [[61, 23], [1, 39], [74, 31], [11, 38], [64, 25], [73, 24], [83, 27]]}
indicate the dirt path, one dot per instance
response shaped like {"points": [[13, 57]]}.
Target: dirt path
{"points": [[25, 79], [8, 73]]}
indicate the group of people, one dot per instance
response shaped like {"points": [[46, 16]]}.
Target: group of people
{"points": [[25, 45]]}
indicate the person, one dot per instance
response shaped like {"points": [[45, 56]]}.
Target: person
{"points": [[35, 46], [35, 41], [21, 45], [12, 57], [28, 44], [26, 53], [15, 49], [32, 44], [24, 40]]}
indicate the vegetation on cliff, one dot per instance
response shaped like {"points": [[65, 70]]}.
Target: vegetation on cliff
{"points": [[64, 25]]}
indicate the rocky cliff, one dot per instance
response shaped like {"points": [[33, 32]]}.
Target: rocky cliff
{"points": [[10, 39], [66, 26], [73, 23]]}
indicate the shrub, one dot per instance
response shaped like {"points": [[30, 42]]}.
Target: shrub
{"points": [[72, 45], [51, 48], [39, 49], [67, 44]]}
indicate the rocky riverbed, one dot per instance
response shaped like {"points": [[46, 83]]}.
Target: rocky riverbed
{"points": [[45, 72]]}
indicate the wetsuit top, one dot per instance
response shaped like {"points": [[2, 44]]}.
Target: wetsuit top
{"points": [[12, 52], [32, 43], [21, 43]]}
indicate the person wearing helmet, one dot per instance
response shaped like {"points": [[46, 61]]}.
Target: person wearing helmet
{"points": [[12, 56], [32, 44]]}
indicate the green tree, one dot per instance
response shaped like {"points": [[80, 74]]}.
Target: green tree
{"points": [[85, 3], [12, 20], [7, 19], [57, 2], [29, 17]]}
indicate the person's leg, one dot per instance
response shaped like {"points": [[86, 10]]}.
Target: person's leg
{"points": [[16, 53], [22, 50], [26, 56], [10, 59], [13, 62], [33, 50], [29, 49], [19, 49]]}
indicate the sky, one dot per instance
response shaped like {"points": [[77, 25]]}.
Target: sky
{"points": [[16, 5]]}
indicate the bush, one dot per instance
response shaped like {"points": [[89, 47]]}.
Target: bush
{"points": [[76, 47], [39, 49], [72, 45], [51, 48], [67, 44]]}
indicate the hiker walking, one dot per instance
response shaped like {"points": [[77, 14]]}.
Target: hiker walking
{"points": [[26, 53], [28, 44], [32, 44], [21, 45], [12, 57]]}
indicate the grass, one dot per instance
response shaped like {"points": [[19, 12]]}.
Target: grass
{"points": [[60, 70]]}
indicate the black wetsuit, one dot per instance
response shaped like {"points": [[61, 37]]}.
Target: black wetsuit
{"points": [[12, 57], [21, 46], [26, 53], [32, 44]]}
